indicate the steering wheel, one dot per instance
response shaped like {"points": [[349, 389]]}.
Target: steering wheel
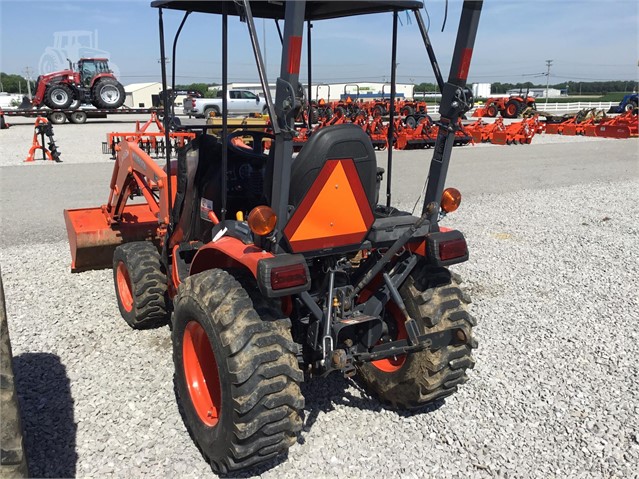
{"points": [[255, 149]]}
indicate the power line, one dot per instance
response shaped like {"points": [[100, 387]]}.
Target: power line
{"points": [[548, 64], [27, 74]]}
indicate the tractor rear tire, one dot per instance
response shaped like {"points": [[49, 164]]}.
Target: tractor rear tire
{"points": [[140, 284], [512, 109], [433, 299], [13, 460], [407, 110], [236, 372], [58, 96], [631, 105], [108, 93], [410, 122]]}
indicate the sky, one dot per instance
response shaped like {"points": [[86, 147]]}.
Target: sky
{"points": [[587, 40]]}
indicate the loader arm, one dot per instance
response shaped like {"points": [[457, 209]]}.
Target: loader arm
{"points": [[135, 173], [94, 233]]}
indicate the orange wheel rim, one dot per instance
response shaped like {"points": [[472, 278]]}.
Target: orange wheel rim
{"points": [[201, 374], [124, 286], [393, 363]]}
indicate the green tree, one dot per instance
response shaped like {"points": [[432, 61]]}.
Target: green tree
{"points": [[426, 87], [14, 83]]}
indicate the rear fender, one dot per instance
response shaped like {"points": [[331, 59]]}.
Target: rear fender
{"points": [[100, 76], [227, 253]]}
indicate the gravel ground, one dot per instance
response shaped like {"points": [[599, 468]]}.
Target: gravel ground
{"points": [[554, 278]]}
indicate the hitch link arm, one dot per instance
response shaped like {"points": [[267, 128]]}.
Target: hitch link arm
{"points": [[410, 324]]}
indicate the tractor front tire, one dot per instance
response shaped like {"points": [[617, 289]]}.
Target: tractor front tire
{"points": [[107, 93], [435, 301], [140, 284], [236, 372], [491, 111], [58, 96]]}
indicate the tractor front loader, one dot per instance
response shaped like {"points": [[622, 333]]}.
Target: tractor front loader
{"points": [[275, 268]]}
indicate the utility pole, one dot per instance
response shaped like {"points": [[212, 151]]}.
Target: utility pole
{"points": [[548, 64], [27, 73]]}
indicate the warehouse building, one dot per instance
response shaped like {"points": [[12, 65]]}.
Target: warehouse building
{"points": [[140, 95], [146, 95]]}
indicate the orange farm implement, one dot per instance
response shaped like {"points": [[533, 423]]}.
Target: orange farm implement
{"points": [[592, 123], [149, 141], [623, 126], [498, 133], [43, 128]]}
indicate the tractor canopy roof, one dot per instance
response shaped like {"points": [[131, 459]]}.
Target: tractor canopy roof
{"points": [[92, 59], [271, 9]]}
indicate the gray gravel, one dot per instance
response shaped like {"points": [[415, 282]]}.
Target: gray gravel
{"points": [[555, 280]]}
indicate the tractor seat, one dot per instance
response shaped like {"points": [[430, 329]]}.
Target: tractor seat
{"points": [[338, 142], [199, 184], [333, 191]]}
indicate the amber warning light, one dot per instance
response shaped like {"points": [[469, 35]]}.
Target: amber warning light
{"points": [[262, 220], [451, 198]]}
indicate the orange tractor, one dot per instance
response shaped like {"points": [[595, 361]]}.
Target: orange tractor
{"points": [[272, 271], [92, 82], [510, 107]]}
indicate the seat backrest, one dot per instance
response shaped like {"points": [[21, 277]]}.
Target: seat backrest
{"points": [[333, 190], [196, 161], [337, 142]]}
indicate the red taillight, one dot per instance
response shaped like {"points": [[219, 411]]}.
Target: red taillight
{"points": [[192, 102], [283, 277], [452, 249]]}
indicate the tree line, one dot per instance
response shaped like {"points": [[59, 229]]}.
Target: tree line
{"points": [[14, 83], [573, 87]]}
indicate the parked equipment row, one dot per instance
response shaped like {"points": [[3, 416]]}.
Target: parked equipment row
{"points": [[594, 123]]}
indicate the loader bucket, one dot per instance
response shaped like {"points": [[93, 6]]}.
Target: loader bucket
{"points": [[26, 103], [92, 240], [610, 131]]}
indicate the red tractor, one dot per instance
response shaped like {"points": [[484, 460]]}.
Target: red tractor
{"points": [[510, 107], [93, 82]]}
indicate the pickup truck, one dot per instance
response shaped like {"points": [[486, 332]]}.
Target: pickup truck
{"points": [[240, 102]]}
